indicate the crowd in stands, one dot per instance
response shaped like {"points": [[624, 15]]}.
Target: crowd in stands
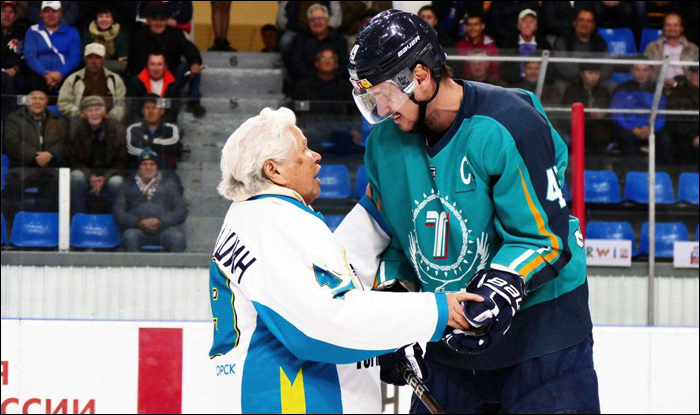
{"points": [[102, 86]]}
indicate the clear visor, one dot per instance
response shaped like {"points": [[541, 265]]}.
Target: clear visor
{"points": [[380, 102]]}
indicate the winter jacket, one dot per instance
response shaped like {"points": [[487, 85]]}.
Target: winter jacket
{"points": [[172, 43], [166, 204], [42, 59], [306, 46], [23, 139], [655, 52], [13, 49], [165, 141], [71, 94], [80, 145], [486, 43], [632, 95]]}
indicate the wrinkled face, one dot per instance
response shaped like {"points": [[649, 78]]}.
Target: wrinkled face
{"points": [[479, 69], [156, 67], [475, 28], [641, 73], [95, 114], [429, 17], [105, 21], [301, 169], [94, 63], [157, 24], [673, 27], [148, 169], [327, 62], [528, 26], [37, 102], [318, 22], [532, 71], [269, 38], [584, 25], [51, 17], [9, 15], [590, 78], [152, 113]]}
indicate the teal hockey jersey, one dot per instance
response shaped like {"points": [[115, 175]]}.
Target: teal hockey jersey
{"points": [[487, 195]]}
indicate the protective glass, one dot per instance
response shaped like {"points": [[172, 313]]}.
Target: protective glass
{"points": [[379, 102]]}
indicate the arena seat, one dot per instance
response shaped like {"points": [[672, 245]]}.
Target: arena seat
{"points": [[361, 181], [94, 232], [335, 182], [648, 36], [637, 188], [689, 188], [153, 248], [333, 221], [4, 230], [5, 169], [620, 41], [35, 230], [602, 186], [666, 235], [612, 231]]}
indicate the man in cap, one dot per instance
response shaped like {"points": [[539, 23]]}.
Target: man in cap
{"points": [[526, 42], [93, 80], [12, 42], [97, 154], [150, 208], [51, 49]]}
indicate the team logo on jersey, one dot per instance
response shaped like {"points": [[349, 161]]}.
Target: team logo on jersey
{"points": [[436, 222]]}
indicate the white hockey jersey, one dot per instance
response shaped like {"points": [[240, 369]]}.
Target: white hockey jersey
{"points": [[294, 329]]}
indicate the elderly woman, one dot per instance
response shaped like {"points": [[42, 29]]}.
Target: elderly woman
{"points": [[294, 329]]}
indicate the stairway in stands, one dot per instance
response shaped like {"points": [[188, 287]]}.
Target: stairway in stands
{"points": [[235, 87]]}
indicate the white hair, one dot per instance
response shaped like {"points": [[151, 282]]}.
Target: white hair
{"points": [[267, 136], [315, 7]]}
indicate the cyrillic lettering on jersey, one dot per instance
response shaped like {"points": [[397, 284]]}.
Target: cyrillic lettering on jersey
{"points": [[231, 253]]}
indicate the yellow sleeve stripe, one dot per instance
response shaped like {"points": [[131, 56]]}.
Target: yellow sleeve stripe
{"points": [[553, 240]]}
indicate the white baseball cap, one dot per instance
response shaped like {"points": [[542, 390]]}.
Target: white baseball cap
{"points": [[95, 49], [56, 5], [527, 12]]}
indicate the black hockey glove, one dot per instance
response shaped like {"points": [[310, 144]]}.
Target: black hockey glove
{"points": [[412, 354], [490, 320]]}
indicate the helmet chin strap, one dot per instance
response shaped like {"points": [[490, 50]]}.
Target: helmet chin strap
{"points": [[419, 127]]}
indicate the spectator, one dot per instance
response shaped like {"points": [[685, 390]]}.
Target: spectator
{"points": [[557, 17], [674, 45], [364, 19], [588, 91], [614, 14], [684, 133], [427, 13], [93, 80], [656, 12], [123, 12], [449, 14], [154, 133], [585, 42], [632, 130], [525, 43], [12, 46], [70, 17], [479, 70], [307, 45], [97, 153], [504, 18], [156, 79], [550, 94], [51, 49], [150, 208], [34, 141], [476, 39], [157, 36], [325, 85], [292, 20], [220, 16], [268, 33], [105, 31]]}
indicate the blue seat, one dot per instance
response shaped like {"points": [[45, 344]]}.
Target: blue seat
{"points": [[94, 232], [666, 235], [637, 188], [4, 230], [620, 41], [366, 130], [335, 182], [648, 36], [612, 231], [621, 77], [361, 181], [55, 110], [689, 188], [35, 230], [602, 187], [5, 169], [154, 248], [333, 221]]}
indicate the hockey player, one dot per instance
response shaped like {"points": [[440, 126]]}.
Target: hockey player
{"points": [[468, 178], [294, 332]]}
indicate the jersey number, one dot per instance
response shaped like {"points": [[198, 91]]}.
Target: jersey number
{"points": [[554, 192]]}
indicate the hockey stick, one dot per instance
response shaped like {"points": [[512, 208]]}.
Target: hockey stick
{"points": [[422, 391]]}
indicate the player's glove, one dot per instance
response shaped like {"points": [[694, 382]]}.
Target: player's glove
{"points": [[412, 355], [490, 320]]}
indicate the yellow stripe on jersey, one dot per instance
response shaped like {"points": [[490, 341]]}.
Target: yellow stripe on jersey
{"points": [[292, 393], [233, 307], [542, 228]]}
